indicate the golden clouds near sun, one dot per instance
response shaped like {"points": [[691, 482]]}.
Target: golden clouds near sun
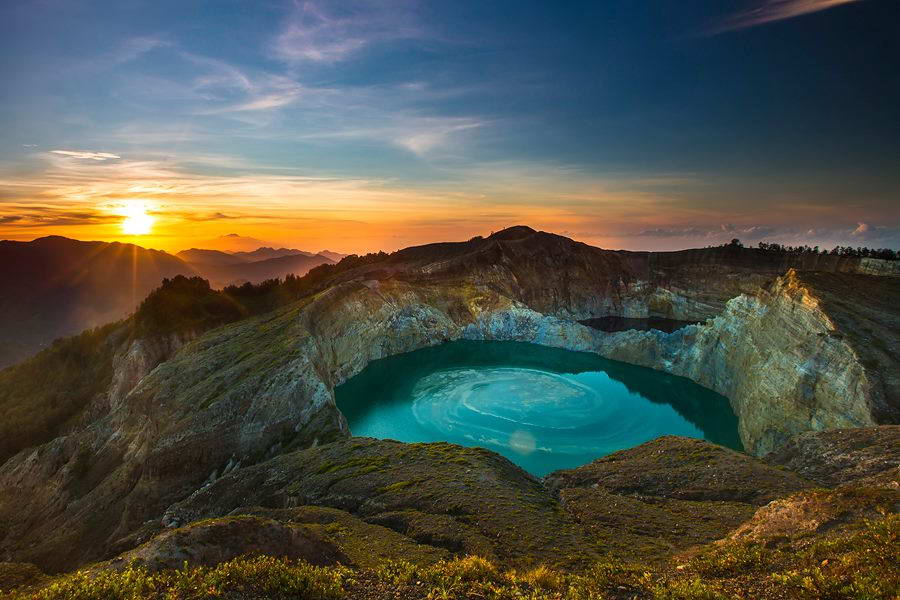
{"points": [[137, 221]]}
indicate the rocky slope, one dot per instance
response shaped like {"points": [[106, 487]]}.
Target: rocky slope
{"points": [[263, 386], [670, 518]]}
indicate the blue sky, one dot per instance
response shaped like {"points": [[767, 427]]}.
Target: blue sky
{"points": [[363, 125]]}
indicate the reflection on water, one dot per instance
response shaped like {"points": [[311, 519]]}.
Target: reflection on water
{"points": [[613, 324], [543, 408]]}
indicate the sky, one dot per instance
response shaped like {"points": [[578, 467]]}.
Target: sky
{"points": [[375, 125]]}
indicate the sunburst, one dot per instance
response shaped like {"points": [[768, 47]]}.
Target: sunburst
{"points": [[137, 220]]}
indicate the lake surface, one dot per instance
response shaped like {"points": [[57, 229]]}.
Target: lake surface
{"points": [[543, 408]]}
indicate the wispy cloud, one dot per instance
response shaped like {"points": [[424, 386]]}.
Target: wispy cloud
{"points": [[86, 155], [698, 235], [319, 32], [422, 136], [775, 10], [748, 232], [56, 216], [136, 47], [875, 233]]}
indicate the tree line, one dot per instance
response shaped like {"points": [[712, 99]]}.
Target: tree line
{"points": [[847, 251]]}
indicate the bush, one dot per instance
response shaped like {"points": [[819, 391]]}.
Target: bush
{"points": [[259, 577]]}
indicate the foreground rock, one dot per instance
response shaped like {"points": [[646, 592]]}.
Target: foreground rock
{"points": [[464, 500], [668, 495], [684, 469], [208, 543], [815, 511]]}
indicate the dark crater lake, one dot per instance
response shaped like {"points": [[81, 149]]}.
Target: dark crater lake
{"points": [[543, 408], [613, 324]]}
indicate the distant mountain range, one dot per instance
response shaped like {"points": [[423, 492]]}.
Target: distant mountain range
{"points": [[56, 286], [227, 268], [265, 253], [233, 242], [335, 256], [223, 269], [200, 256]]}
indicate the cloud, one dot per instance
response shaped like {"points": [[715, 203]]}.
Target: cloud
{"points": [[87, 155], [663, 232], [136, 47], [421, 136], [875, 233], [266, 101], [215, 216], [43, 216], [748, 232], [775, 10], [320, 33]]}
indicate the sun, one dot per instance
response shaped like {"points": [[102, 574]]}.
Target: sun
{"points": [[137, 221]]}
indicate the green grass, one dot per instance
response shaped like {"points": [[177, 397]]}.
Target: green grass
{"points": [[396, 487], [259, 577], [364, 462], [37, 407], [858, 564]]}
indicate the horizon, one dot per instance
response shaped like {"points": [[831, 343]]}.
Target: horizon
{"points": [[367, 126], [247, 244]]}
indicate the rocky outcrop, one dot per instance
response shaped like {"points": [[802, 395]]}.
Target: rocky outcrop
{"points": [[815, 511], [215, 541], [684, 469], [843, 456]]}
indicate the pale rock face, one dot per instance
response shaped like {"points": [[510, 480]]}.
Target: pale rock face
{"points": [[774, 355], [137, 359], [877, 266]]}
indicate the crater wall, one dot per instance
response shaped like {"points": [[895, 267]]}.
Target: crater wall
{"points": [[245, 392]]}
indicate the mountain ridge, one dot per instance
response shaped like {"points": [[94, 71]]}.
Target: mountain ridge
{"points": [[184, 408]]}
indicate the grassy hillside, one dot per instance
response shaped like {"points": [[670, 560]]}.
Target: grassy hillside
{"points": [[40, 397], [43, 396], [860, 564]]}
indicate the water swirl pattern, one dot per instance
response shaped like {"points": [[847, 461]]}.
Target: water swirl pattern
{"points": [[543, 408]]}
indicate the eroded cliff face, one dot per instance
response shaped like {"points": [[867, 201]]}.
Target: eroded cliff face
{"points": [[782, 361], [245, 392]]}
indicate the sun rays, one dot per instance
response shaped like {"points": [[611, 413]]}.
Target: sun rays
{"points": [[137, 220]]}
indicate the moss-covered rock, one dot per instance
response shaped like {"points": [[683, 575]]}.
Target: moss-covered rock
{"points": [[364, 544], [683, 469], [213, 541], [843, 456], [813, 511], [465, 500], [16, 575], [648, 528]]}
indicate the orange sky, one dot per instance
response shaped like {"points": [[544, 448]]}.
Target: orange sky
{"points": [[88, 196]]}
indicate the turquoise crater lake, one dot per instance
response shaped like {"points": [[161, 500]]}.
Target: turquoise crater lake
{"points": [[543, 408]]}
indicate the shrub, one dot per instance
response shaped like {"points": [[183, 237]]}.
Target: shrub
{"points": [[259, 577]]}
